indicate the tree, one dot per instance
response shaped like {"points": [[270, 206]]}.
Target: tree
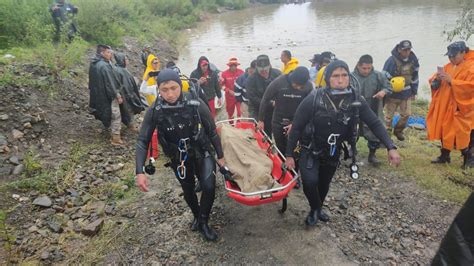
{"points": [[464, 24]]}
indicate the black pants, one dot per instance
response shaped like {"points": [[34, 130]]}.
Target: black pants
{"points": [[279, 135], [316, 176], [204, 169], [471, 143]]}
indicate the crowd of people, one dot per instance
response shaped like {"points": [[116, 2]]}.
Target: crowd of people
{"points": [[312, 113]]}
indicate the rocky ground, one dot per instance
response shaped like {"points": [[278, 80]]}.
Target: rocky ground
{"points": [[70, 198]]}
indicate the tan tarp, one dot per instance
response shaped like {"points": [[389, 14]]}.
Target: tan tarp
{"points": [[246, 160]]}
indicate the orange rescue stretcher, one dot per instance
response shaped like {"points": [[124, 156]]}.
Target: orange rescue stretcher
{"points": [[287, 179]]}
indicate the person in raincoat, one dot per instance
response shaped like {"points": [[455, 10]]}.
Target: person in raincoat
{"points": [[63, 13], [105, 93], [450, 117], [402, 63], [324, 59], [133, 104], [228, 81], [374, 86], [148, 87], [289, 62], [208, 79]]}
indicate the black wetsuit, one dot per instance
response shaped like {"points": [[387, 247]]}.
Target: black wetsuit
{"points": [[256, 86], [317, 117], [174, 124], [287, 100]]}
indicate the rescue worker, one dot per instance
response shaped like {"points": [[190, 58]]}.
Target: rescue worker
{"points": [[146, 51], [63, 17], [314, 68], [133, 103], [451, 114], [105, 95], [289, 62], [287, 92], [322, 122], [257, 85], [208, 79], [240, 84], [149, 87], [228, 80], [374, 86], [240, 89], [402, 63], [186, 132], [324, 59]]}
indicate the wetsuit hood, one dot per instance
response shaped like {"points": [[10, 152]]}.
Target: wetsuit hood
{"points": [[333, 66]]}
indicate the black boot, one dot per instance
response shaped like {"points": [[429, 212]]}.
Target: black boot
{"points": [[195, 224], [312, 218], [372, 158], [468, 158], [208, 233], [399, 134], [443, 158], [323, 216]]}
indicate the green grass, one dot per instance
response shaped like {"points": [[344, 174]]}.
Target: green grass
{"points": [[445, 182]]}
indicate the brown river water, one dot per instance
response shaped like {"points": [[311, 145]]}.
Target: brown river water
{"points": [[348, 28]]}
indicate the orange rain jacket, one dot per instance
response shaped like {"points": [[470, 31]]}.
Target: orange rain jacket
{"points": [[451, 114]]}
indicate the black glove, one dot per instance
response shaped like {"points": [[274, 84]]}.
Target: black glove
{"points": [[226, 173]]}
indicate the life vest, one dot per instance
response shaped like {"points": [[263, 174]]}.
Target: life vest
{"points": [[330, 119], [180, 121], [405, 69]]}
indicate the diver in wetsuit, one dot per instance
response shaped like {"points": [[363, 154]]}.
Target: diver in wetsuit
{"points": [[186, 132], [323, 121]]}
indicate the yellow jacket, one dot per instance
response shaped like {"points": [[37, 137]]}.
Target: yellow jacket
{"points": [[290, 66], [320, 82], [149, 68]]}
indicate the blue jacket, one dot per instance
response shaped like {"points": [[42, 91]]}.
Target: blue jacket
{"points": [[239, 88], [394, 67]]}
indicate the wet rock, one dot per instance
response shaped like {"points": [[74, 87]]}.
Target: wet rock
{"points": [[45, 255], [17, 134], [73, 193], [344, 205], [55, 227], [18, 169], [93, 228], [27, 125], [14, 160], [5, 171], [110, 210], [3, 140], [4, 117], [43, 201]]}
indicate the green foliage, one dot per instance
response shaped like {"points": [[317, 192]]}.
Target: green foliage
{"points": [[32, 164], [24, 22], [465, 23], [5, 236]]}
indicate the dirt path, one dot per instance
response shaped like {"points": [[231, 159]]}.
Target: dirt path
{"points": [[373, 220]]}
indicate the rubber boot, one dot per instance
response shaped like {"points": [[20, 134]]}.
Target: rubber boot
{"points": [[398, 132], [116, 140], [468, 158], [443, 158], [195, 223], [372, 158], [322, 216], [312, 218], [208, 233]]}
